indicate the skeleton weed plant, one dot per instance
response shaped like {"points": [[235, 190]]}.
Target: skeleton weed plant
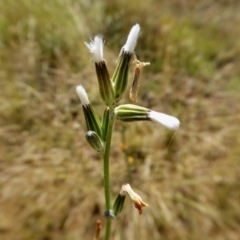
{"points": [[111, 90]]}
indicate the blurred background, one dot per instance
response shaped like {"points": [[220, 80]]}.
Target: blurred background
{"points": [[51, 181]]}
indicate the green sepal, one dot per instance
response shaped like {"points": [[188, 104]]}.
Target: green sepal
{"points": [[95, 141]]}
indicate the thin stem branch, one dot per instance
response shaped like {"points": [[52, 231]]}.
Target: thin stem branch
{"points": [[106, 175]]}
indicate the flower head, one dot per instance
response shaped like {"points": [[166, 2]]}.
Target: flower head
{"points": [[82, 95], [131, 112], [120, 76], [96, 48], [104, 81], [132, 39]]}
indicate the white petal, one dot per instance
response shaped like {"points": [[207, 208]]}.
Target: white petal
{"points": [[96, 48], [82, 95], [132, 39], [164, 119]]}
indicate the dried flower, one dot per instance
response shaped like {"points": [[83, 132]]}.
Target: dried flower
{"points": [[134, 89], [137, 200]]}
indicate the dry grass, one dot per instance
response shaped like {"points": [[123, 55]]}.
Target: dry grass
{"points": [[51, 180]]}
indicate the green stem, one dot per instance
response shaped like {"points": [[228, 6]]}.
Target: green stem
{"points": [[106, 175], [108, 229]]}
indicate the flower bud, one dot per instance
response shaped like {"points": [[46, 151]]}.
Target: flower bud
{"points": [[95, 141], [119, 202]]}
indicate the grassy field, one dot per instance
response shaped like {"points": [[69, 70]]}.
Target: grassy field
{"points": [[51, 182]]}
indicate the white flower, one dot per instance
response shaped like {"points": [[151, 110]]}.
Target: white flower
{"points": [[96, 48], [132, 39], [164, 119], [131, 112], [82, 95]]}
